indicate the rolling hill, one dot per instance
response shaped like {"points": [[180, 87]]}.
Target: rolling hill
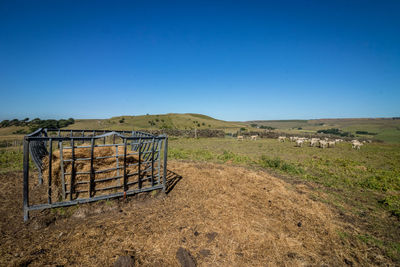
{"points": [[170, 120]]}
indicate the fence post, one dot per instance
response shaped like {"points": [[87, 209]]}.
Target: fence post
{"points": [[62, 169], [72, 180], [125, 174], [165, 164], [50, 163], [26, 180]]}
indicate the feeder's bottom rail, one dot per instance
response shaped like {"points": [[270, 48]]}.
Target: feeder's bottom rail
{"points": [[92, 199]]}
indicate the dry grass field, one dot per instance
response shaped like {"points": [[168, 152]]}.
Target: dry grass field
{"points": [[223, 215]]}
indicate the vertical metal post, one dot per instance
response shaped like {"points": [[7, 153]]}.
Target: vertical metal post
{"points": [[159, 161], [50, 166], [140, 155], [152, 163], [62, 169], [59, 133], [117, 160], [125, 175], [91, 184], [104, 137], [113, 138], [165, 164], [71, 133], [26, 180], [72, 180]]}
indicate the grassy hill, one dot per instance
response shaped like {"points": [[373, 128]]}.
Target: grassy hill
{"points": [[171, 120], [385, 129]]}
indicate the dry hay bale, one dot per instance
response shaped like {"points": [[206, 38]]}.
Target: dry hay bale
{"points": [[82, 189]]}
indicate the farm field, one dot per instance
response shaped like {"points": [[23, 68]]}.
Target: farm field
{"points": [[229, 202], [384, 129], [364, 185], [220, 214]]}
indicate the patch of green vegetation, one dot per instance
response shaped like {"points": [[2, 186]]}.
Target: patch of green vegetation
{"points": [[392, 203], [392, 249], [279, 164], [365, 132], [335, 131], [228, 156], [10, 160]]}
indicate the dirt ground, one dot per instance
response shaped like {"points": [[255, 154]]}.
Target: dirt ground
{"points": [[221, 214]]}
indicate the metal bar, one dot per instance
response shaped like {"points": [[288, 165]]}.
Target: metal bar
{"points": [[125, 177], [140, 155], [50, 165], [159, 162], [62, 169], [104, 141], [152, 164], [117, 160], [41, 138], [26, 180], [165, 165], [91, 185], [87, 200], [71, 186]]}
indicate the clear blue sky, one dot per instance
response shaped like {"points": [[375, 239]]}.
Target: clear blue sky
{"points": [[233, 60]]}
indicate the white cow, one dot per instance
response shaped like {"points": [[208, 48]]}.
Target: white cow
{"points": [[240, 137], [281, 138], [254, 137]]}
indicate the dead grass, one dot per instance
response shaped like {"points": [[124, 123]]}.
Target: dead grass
{"points": [[224, 215]]}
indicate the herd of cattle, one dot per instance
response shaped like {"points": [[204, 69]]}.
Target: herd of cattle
{"points": [[316, 142]]}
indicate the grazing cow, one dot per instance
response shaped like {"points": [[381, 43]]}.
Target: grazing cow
{"points": [[281, 138], [254, 137], [240, 138]]}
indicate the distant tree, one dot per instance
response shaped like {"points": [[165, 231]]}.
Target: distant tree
{"points": [[122, 120], [253, 125], [4, 123]]}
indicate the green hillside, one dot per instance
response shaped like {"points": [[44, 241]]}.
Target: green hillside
{"points": [[170, 121]]}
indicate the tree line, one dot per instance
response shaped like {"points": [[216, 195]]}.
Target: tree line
{"points": [[36, 123]]}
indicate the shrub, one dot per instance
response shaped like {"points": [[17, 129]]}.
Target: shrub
{"points": [[365, 132]]}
